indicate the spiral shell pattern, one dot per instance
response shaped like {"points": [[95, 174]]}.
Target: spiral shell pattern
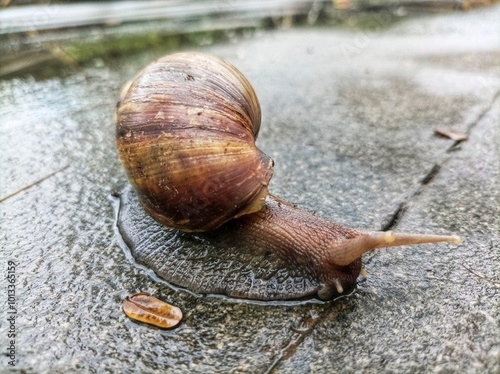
{"points": [[185, 132]]}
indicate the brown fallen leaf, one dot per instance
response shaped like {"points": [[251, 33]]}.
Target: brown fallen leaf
{"points": [[146, 308], [453, 135]]}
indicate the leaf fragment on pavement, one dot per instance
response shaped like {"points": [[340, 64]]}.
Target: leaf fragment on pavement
{"points": [[453, 135], [146, 308]]}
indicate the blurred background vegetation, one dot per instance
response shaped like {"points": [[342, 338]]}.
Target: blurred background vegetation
{"points": [[45, 35]]}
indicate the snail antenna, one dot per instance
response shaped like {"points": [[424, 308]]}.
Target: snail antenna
{"points": [[345, 251]]}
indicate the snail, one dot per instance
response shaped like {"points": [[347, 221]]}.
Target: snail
{"points": [[185, 132]]}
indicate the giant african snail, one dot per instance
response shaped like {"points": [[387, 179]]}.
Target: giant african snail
{"points": [[186, 130]]}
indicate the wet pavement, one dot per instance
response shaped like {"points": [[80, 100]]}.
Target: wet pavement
{"points": [[349, 118]]}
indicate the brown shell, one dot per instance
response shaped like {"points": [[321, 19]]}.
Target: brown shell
{"points": [[186, 132]]}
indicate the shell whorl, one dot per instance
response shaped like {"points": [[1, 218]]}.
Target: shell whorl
{"points": [[186, 132]]}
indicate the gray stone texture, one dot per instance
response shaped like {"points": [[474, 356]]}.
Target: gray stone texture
{"points": [[349, 118]]}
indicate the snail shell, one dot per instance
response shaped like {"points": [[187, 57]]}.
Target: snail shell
{"points": [[186, 131]]}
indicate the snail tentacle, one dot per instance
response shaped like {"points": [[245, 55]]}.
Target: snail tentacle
{"points": [[345, 251]]}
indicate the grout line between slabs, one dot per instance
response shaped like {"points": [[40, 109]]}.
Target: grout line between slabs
{"points": [[436, 168], [298, 337], [34, 183]]}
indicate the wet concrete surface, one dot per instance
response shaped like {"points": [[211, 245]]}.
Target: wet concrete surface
{"points": [[348, 117]]}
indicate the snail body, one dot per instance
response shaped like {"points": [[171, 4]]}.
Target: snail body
{"points": [[186, 130]]}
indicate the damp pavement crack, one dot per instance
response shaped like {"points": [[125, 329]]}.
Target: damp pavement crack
{"points": [[394, 219], [34, 183], [309, 324]]}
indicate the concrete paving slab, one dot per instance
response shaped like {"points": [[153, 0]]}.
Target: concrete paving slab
{"points": [[428, 308], [352, 137]]}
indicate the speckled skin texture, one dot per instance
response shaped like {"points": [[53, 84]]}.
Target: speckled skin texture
{"points": [[420, 309], [280, 252]]}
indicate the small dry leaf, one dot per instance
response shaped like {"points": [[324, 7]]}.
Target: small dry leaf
{"points": [[453, 135], [146, 308]]}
